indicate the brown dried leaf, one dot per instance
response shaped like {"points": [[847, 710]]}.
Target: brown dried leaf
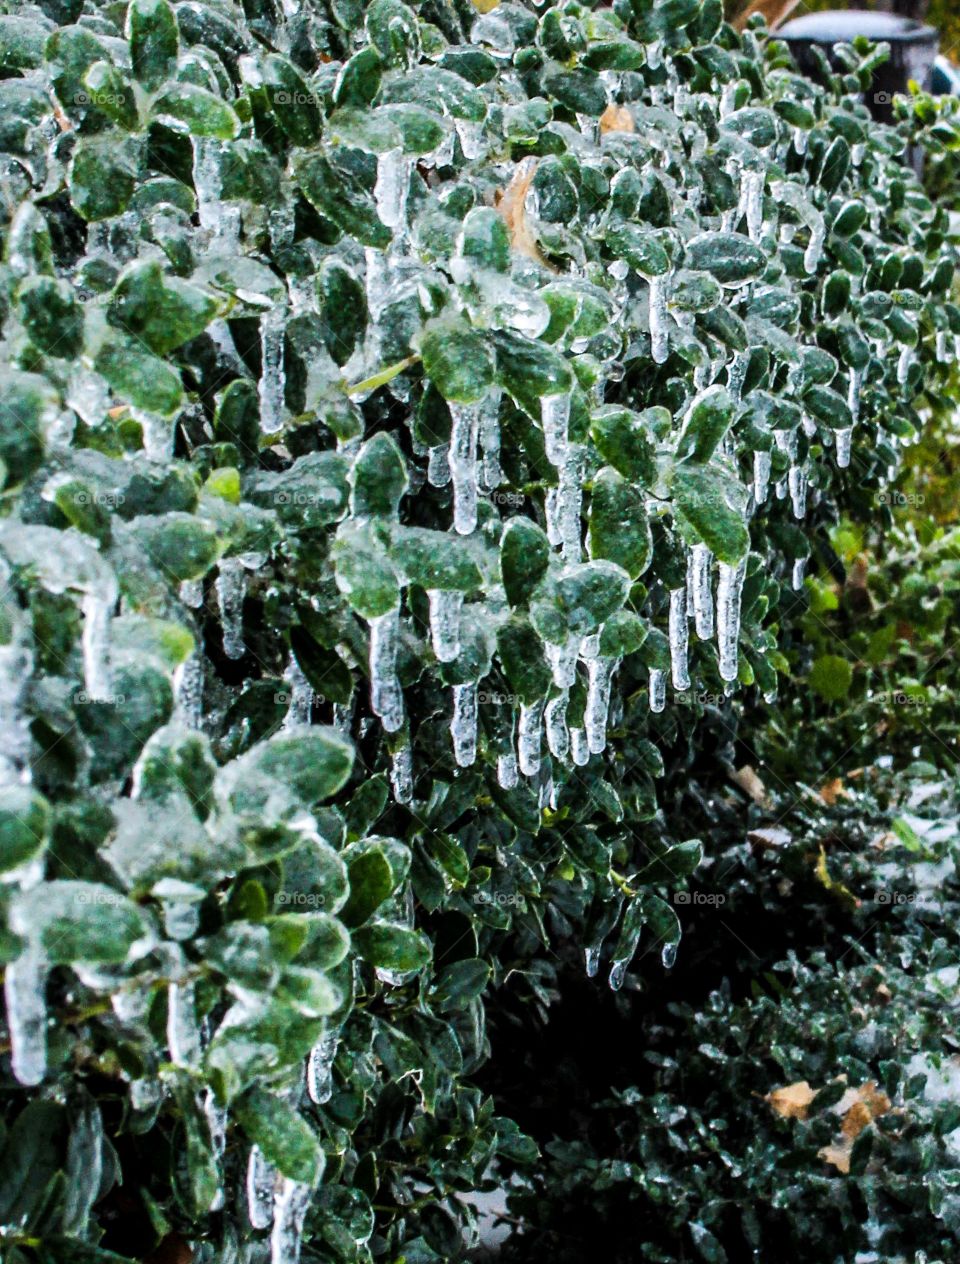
{"points": [[793, 1100], [838, 1155], [831, 791], [616, 118], [748, 781], [511, 207]]}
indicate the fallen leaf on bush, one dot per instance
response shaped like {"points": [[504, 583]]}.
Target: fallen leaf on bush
{"points": [[770, 836], [838, 1155], [830, 791], [616, 118], [859, 1107], [513, 210], [793, 1100], [750, 783]]}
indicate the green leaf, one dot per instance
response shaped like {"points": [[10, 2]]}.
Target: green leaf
{"points": [[342, 199], [529, 370], [619, 528], [460, 983], [700, 499], [285, 1138], [162, 312], [623, 439], [705, 425], [375, 868], [363, 571], [524, 557], [435, 559], [640, 248], [154, 41], [729, 257], [28, 405], [137, 377], [831, 677], [102, 177], [24, 826], [287, 772], [379, 478], [392, 947], [456, 359], [829, 407], [80, 921], [187, 108]]}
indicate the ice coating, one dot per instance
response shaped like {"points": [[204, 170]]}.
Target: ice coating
{"points": [[231, 589], [569, 498], [528, 737], [463, 726], [554, 418], [24, 991], [445, 611], [599, 677], [563, 661], [679, 635], [904, 362], [300, 695], [729, 594], [702, 597], [463, 466], [853, 393], [799, 569], [659, 326], [508, 773], [658, 689], [320, 1069], [386, 696], [438, 466], [261, 1181], [761, 475], [751, 201], [579, 749], [392, 186], [272, 385], [490, 440], [401, 774], [289, 1212], [97, 675], [844, 440], [183, 1030], [797, 482]]}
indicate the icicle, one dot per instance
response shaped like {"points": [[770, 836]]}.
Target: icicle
{"points": [[231, 589], [553, 524], [401, 774], [809, 425], [554, 418], [761, 475], [386, 696], [857, 153], [445, 609], [797, 481], [463, 466], [392, 186], [811, 256], [569, 497], [490, 440], [800, 141], [591, 957], [301, 695], [183, 1030], [702, 598], [558, 736], [903, 365], [942, 346], [272, 376], [290, 1210], [799, 569], [658, 689], [320, 1069], [780, 488], [618, 972], [654, 54], [463, 727], [24, 989], [579, 749], [728, 98], [261, 1181], [191, 593], [844, 440], [729, 593], [679, 638], [599, 676], [507, 773], [528, 738], [563, 661], [438, 466], [751, 201], [97, 675], [659, 326]]}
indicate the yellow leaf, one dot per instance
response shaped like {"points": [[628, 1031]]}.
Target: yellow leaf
{"points": [[485, 6], [616, 118], [832, 885], [792, 1101], [511, 207], [838, 1155], [831, 791]]}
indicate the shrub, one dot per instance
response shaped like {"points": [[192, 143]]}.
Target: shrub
{"points": [[332, 334]]}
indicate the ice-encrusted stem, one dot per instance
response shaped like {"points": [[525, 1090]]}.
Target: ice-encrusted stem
{"points": [[658, 689], [528, 737], [490, 440], [659, 322], [555, 419], [24, 990], [95, 639], [463, 466], [231, 587], [679, 636], [289, 1212], [386, 696], [463, 726], [700, 560], [569, 498], [272, 386], [729, 594], [320, 1068], [445, 612], [555, 719]]}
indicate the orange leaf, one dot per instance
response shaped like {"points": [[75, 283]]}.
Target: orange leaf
{"points": [[511, 207], [792, 1101], [616, 118]]}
